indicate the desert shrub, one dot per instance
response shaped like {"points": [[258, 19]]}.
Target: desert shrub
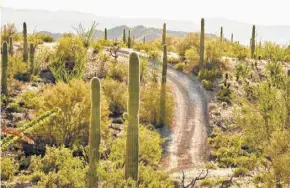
{"points": [[71, 125], [46, 37], [143, 68], [35, 38], [207, 84], [42, 58], [58, 168], [97, 46], [8, 168], [224, 94], [29, 99], [206, 74], [154, 55], [116, 93], [192, 56], [173, 60], [117, 71], [180, 66], [242, 70], [70, 59], [211, 182], [14, 107], [240, 172], [150, 104], [16, 68]]}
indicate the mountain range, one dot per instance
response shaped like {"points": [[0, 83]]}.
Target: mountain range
{"points": [[57, 22]]}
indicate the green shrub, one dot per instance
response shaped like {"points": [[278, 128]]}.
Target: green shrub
{"points": [[8, 168], [207, 84], [206, 74], [71, 125], [180, 66], [29, 99], [240, 172], [118, 71], [224, 95], [46, 37], [173, 60], [211, 182], [116, 93], [150, 102], [70, 59], [16, 67], [97, 46], [42, 58]]}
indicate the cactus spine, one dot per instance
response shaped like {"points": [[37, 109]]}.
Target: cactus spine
{"points": [[132, 143], [4, 68], [95, 132], [163, 89], [164, 34], [232, 38], [201, 47], [106, 34], [222, 34], [124, 36], [253, 41], [31, 57], [129, 39], [25, 45], [11, 46]]}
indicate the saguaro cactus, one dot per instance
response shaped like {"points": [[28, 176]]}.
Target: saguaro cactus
{"points": [[129, 39], [163, 89], [25, 45], [106, 34], [11, 46], [31, 57], [232, 38], [124, 36], [253, 41], [95, 132], [4, 68], [201, 47], [144, 40], [222, 34], [164, 34], [132, 143]]}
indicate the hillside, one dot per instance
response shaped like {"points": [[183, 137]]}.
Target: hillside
{"points": [[62, 21]]}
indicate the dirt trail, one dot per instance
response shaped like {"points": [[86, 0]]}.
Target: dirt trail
{"points": [[186, 146]]}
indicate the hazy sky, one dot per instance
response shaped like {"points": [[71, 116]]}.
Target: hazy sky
{"points": [[267, 12]]}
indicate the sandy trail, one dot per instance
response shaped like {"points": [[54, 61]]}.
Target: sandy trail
{"points": [[186, 145]]}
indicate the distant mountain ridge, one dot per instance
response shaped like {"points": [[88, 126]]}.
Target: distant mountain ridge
{"points": [[62, 21]]}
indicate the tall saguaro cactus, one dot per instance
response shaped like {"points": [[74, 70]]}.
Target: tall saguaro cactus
{"points": [[232, 38], [222, 34], [129, 39], [201, 47], [124, 36], [25, 45], [164, 34], [163, 89], [253, 41], [132, 143], [11, 45], [144, 40], [106, 34], [4, 68], [95, 132], [31, 58]]}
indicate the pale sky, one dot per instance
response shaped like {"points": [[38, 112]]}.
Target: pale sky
{"points": [[266, 12]]}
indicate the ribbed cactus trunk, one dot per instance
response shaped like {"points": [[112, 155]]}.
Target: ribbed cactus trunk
{"points": [[163, 89], [25, 45], [253, 41], [144, 40], [222, 34], [132, 143], [4, 68], [201, 46], [31, 58], [11, 46], [164, 34], [232, 38], [106, 34], [129, 39], [95, 132], [124, 36]]}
